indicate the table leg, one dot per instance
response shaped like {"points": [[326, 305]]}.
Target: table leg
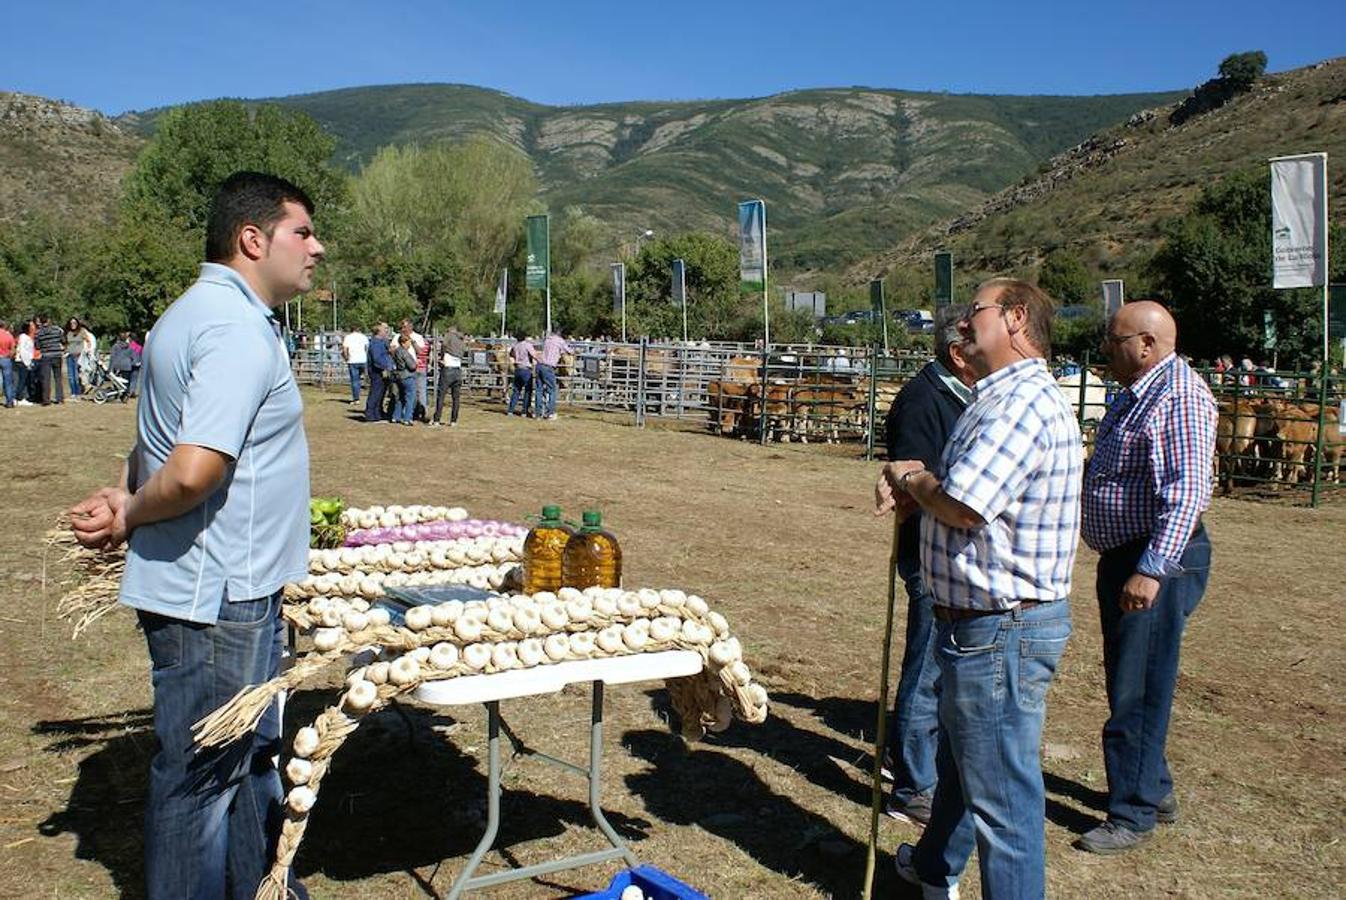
{"points": [[596, 778], [492, 801]]}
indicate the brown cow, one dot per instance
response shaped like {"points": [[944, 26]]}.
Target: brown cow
{"points": [[824, 409], [727, 405]]}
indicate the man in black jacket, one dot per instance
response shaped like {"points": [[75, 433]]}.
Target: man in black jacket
{"points": [[918, 425]]}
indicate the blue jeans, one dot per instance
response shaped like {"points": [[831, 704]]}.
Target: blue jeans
{"points": [[1140, 664], [133, 381], [406, 404], [994, 672], [211, 818], [914, 727], [7, 377], [545, 397], [357, 373], [523, 384], [72, 373]]}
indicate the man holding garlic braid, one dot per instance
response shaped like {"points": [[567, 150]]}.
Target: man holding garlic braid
{"points": [[1000, 523], [214, 502]]}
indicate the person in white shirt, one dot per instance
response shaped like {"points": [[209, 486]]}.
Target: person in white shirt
{"points": [[355, 351]]}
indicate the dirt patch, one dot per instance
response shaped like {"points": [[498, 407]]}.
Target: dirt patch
{"points": [[781, 540]]}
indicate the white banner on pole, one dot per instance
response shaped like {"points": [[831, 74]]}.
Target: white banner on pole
{"points": [[1114, 295], [501, 292], [1299, 221]]}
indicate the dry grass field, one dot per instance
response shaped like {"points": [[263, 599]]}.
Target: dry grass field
{"points": [[782, 541]]}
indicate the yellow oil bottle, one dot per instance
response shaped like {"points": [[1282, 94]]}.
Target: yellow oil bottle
{"points": [[593, 558], [542, 552]]}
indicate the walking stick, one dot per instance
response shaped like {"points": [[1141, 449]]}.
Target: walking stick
{"points": [[880, 733]]}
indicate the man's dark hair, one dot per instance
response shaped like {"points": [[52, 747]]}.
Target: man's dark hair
{"points": [[248, 198]]}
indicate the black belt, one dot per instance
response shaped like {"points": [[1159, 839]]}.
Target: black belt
{"points": [[949, 614]]}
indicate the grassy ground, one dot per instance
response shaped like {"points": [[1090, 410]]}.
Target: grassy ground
{"points": [[778, 538]]}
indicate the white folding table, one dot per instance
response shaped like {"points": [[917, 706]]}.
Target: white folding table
{"points": [[550, 679]]}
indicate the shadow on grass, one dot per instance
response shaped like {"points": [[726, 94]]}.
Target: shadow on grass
{"points": [[696, 785], [398, 797]]}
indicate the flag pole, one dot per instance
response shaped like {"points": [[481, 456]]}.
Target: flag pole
{"points": [[766, 309], [881, 731]]}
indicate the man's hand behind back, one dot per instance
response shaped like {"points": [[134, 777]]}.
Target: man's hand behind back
{"points": [[99, 522]]}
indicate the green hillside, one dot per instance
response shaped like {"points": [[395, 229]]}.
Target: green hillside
{"points": [[845, 172], [1107, 201]]}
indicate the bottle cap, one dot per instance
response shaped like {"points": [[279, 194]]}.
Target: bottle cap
{"points": [[592, 518], [551, 512]]}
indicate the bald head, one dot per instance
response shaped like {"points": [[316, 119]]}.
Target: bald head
{"points": [[1139, 337], [1148, 317]]}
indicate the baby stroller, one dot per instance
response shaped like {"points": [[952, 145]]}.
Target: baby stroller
{"points": [[111, 386]]}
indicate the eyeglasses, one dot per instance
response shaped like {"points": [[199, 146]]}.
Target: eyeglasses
{"points": [[1118, 339], [978, 307]]}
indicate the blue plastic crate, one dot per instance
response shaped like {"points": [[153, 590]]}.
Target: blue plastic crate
{"points": [[654, 883]]}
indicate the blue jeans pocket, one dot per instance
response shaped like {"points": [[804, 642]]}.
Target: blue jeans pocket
{"points": [[1038, 658], [245, 612], [163, 636]]}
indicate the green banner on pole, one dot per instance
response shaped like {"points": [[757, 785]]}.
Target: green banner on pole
{"points": [[538, 271], [943, 278], [1268, 330], [1336, 316]]}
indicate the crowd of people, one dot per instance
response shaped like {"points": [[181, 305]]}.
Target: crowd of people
{"points": [[41, 362], [393, 372], [989, 480]]}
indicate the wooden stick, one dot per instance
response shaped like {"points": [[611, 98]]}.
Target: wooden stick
{"points": [[881, 732]]}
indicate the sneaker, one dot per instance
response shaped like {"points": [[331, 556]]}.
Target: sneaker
{"points": [[23, 403], [906, 870], [1110, 839], [1166, 813], [436, 424], [916, 810], [552, 416]]}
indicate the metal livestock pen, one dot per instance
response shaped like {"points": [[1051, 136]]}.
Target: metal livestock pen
{"points": [[1278, 432]]}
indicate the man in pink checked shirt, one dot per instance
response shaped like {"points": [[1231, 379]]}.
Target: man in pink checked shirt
{"points": [[552, 348], [1144, 492]]}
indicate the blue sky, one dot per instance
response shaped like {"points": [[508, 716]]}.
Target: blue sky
{"points": [[100, 55]]}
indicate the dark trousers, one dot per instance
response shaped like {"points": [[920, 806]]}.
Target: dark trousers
{"points": [[49, 376], [451, 383], [1140, 663], [374, 402]]}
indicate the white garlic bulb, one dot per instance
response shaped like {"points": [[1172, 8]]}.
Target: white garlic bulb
{"points": [[305, 741], [301, 799], [298, 771], [361, 695]]}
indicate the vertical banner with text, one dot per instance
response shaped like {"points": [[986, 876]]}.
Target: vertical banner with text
{"points": [[1299, 221], [752, 255], [537, 271], [752, 241], [501, 292]]}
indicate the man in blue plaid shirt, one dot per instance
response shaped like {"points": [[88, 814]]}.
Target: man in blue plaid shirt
{"points": [[1146, 487], [1000, 525]]}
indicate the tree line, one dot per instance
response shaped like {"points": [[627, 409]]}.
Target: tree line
{"points": [[422, 232]]}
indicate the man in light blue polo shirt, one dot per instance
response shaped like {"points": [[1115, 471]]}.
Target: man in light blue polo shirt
{"points": [[214, 502]]}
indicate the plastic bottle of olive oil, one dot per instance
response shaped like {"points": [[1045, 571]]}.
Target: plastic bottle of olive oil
{"points": [[542, 552], [592, 556]]}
